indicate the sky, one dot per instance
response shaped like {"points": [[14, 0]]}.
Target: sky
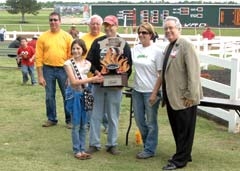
{"points": [[172, 1]]}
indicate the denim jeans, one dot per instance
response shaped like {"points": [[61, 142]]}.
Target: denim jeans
{"points": [[110, 99], [79, 138], [51, 76], [28, 70], [89, 113], [74, 105], [105, 121], [79, 126], [146, 120]]}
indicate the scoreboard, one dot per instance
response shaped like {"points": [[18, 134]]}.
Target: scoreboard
{"points": [[190, 15]]}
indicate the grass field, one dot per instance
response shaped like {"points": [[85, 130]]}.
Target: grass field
{"points": [[40, 23], [26, 146]]}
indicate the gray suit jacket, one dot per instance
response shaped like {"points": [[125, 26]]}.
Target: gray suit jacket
{"points": [[182, 75]]}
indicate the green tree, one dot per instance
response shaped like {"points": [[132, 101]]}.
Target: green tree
{"points": [[23, 7]]}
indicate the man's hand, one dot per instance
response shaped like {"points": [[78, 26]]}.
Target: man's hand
{"points": [[153, 99], [188, 102], [41, 81]]}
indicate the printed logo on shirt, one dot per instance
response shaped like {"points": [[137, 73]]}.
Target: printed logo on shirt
{"points": [[142, 56], [24, 54]]}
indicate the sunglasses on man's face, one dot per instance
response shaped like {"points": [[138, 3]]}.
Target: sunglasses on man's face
{"points": [[53, 19], [143, 32]]}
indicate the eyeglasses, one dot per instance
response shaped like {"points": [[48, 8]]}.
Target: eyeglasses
{"points": [[53, 19], [143, 32], [169, 28]]}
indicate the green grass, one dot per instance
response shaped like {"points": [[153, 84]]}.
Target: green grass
{"points": [[26, 146]]}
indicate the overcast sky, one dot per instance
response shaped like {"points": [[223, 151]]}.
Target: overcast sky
{"points": [[238, 1]]}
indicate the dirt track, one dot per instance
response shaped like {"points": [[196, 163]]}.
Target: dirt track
{"points": [[222, 76]]}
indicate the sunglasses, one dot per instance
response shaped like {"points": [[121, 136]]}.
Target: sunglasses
{"points": [[143, 32], [53, 19]]}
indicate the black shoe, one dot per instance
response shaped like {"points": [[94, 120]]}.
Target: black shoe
{"points": [[49, 123], [92, 149], [113, 150], [189, 160], [170, 166]]}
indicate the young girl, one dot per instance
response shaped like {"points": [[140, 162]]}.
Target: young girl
{"points": [[74, 93]]}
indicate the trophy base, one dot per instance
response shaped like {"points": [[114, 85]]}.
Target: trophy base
{"points": [[118, 80]]}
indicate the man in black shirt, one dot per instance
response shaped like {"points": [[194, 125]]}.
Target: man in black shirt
{"points": [[106, 99]]}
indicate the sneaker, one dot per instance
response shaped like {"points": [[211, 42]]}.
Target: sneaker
{"points": [[143, 155], [113, 150], [69, 126], [92, 149], [49, 123]]}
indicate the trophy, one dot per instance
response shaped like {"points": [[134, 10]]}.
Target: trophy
{"points": [[114, 64]]}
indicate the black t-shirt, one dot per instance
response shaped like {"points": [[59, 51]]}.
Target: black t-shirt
{"points": [[95, 55]]}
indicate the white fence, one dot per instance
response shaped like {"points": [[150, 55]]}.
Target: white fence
{"points": [[224, 52], [232, 91], [12, 35], [221, 46]]}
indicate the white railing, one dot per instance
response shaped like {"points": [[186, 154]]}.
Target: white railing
{"points": [[221, 46], [232, 91], [226, 48], [12, 35]]}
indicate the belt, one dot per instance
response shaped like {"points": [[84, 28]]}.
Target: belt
{"points": [[53, 66]]}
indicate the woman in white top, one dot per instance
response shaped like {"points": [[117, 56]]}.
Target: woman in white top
{"points": [[74, 93], [147, 60]]}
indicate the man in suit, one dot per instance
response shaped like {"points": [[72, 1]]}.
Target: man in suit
{"points": [[182, 91]]}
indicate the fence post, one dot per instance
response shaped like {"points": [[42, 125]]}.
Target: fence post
{"points": [[222, 49], [233, 125], [14, 35], [38, 28], [205, 46], [198, 46]]}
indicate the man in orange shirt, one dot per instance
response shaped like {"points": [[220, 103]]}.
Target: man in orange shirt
{"points": [[53, 49], [95, 24]]}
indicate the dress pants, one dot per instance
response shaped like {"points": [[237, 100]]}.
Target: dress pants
{"points": [[183, 128]]}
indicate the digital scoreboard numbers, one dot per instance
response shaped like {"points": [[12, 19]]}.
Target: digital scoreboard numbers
{"points": [[229, 16]]}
